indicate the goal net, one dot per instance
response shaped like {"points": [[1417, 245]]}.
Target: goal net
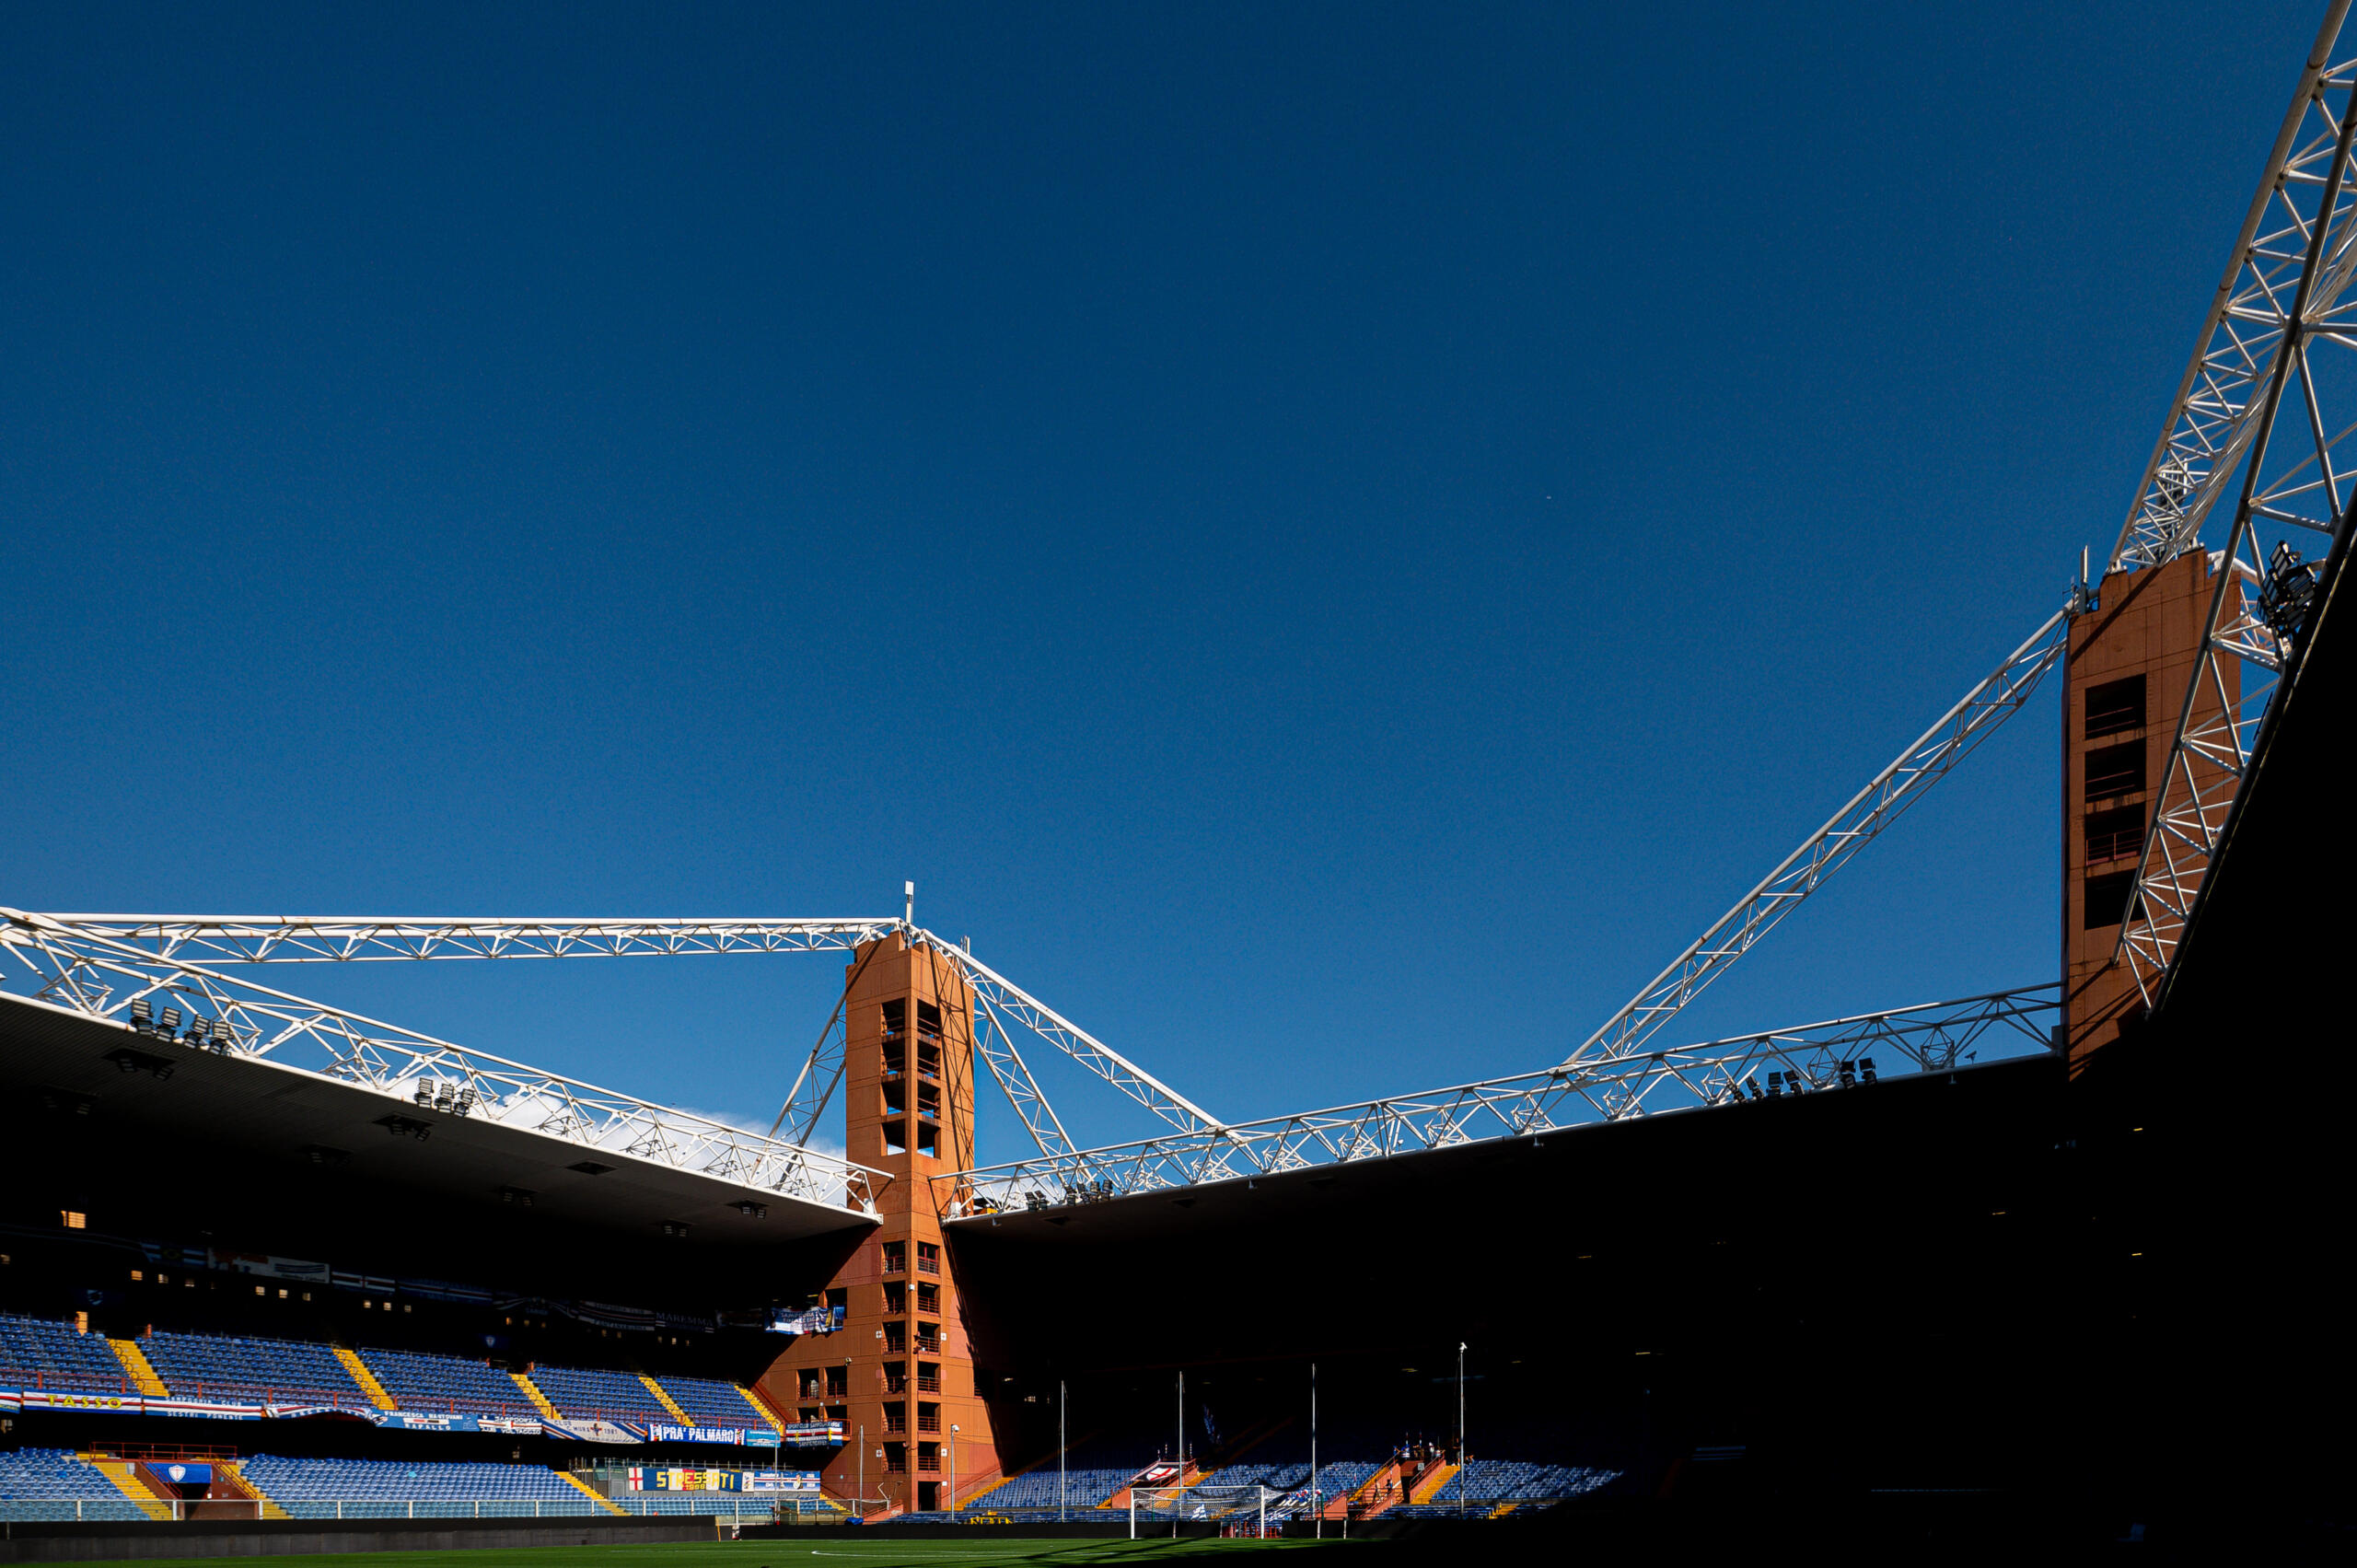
{"points": [[1243, 1510]]}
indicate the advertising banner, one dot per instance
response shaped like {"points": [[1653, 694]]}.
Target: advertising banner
{"points": [[814, 1434], [593, 1431], [664, 1432]]}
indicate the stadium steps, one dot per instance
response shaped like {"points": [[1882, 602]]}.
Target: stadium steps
{"points": [[126, 1480], [269, 1510], [1502, 1509], [366, 1378], [136, 1367], [667, 1402], [1370, 1497], [539, 1400], [1422, 1488], [608, 1504]]}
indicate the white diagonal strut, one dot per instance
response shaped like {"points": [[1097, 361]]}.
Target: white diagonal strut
{"points": [[1005, 997], [2209, 424], [175, 1003], [2290, 287], [1867, 813]]}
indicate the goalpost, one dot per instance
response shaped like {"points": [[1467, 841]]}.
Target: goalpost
{"points": [[1245, 1507]]}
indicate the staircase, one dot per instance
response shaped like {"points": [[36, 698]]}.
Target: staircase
{"points": [[126, 1480], [539, 1400], [366, 1378], [1420, 1489], [670, 1403], [608, 1504], [135, 1366], [237, 1479]]}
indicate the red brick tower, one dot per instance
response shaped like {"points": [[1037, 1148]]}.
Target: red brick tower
{"points": [[900, 1373], [2129, 663]]}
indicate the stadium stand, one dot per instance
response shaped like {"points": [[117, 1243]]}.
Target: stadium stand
{"points": [[35, 1352], [447, 1385], [205, 1366], [582, 1392], [50, 1484], [366, 1489], [710, 1402], [1037, 1489]]}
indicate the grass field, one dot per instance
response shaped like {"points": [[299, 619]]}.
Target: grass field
{"points": [[852, 1552]]}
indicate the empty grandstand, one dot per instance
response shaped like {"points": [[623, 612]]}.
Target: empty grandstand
{"points": [[415, 1380], [52, 1483], [357, 1489], [275, 1372], [37, 1352]]}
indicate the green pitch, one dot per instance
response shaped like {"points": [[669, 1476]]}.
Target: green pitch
{"points": [[851, 1552]]}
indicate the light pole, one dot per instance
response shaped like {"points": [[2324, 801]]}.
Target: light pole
{"points": [[953, 1466], [1060, 1450], [1317, 1504], [1460, 1427]]}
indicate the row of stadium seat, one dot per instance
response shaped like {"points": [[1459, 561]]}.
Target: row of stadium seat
{"points": [[38, 1352], [50, 1484], [321, 1489], [35, 1352]]}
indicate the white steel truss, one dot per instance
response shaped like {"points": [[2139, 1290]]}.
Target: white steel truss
{"points": [[301, 939], [1890, 792], [174, 1002], [2272, 362], [1814, 1058], [297, 940]]}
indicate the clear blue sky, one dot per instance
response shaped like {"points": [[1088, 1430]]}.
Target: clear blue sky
{"points": [[1330, 539]]}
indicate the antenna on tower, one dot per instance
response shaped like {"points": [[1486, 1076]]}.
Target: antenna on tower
{"points": [[910, 889]]}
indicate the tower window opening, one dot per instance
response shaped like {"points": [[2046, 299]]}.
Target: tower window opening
{"points": [[2105, 897], [2112, 834], [928, 1138], [2115, 769], [896, 1137], [2115, 706]]}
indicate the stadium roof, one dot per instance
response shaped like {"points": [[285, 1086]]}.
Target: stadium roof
{"points": [[94, 1088]]}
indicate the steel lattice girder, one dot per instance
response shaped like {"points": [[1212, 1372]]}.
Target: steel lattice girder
{"points": [[2285, 293], [1929, 1037], [1975, 716], [272, 939], [101, 978]]}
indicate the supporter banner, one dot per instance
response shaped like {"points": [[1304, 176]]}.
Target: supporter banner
{"points": [[343, 1281], [181, 1474], [126, 1404], [818, 1320], [780, 1480], [508, 1425], [593, 1431], [430, 1421], [297, 1413], [664, 1432], [813, 1434], [606, 1315], [276, 1268], [443, 1290]]}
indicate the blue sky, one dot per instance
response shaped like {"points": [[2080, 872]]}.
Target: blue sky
{"points": [[1331, 540]]}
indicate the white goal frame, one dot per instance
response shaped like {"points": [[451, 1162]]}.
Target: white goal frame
{"points": [[1249, 1500]]}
